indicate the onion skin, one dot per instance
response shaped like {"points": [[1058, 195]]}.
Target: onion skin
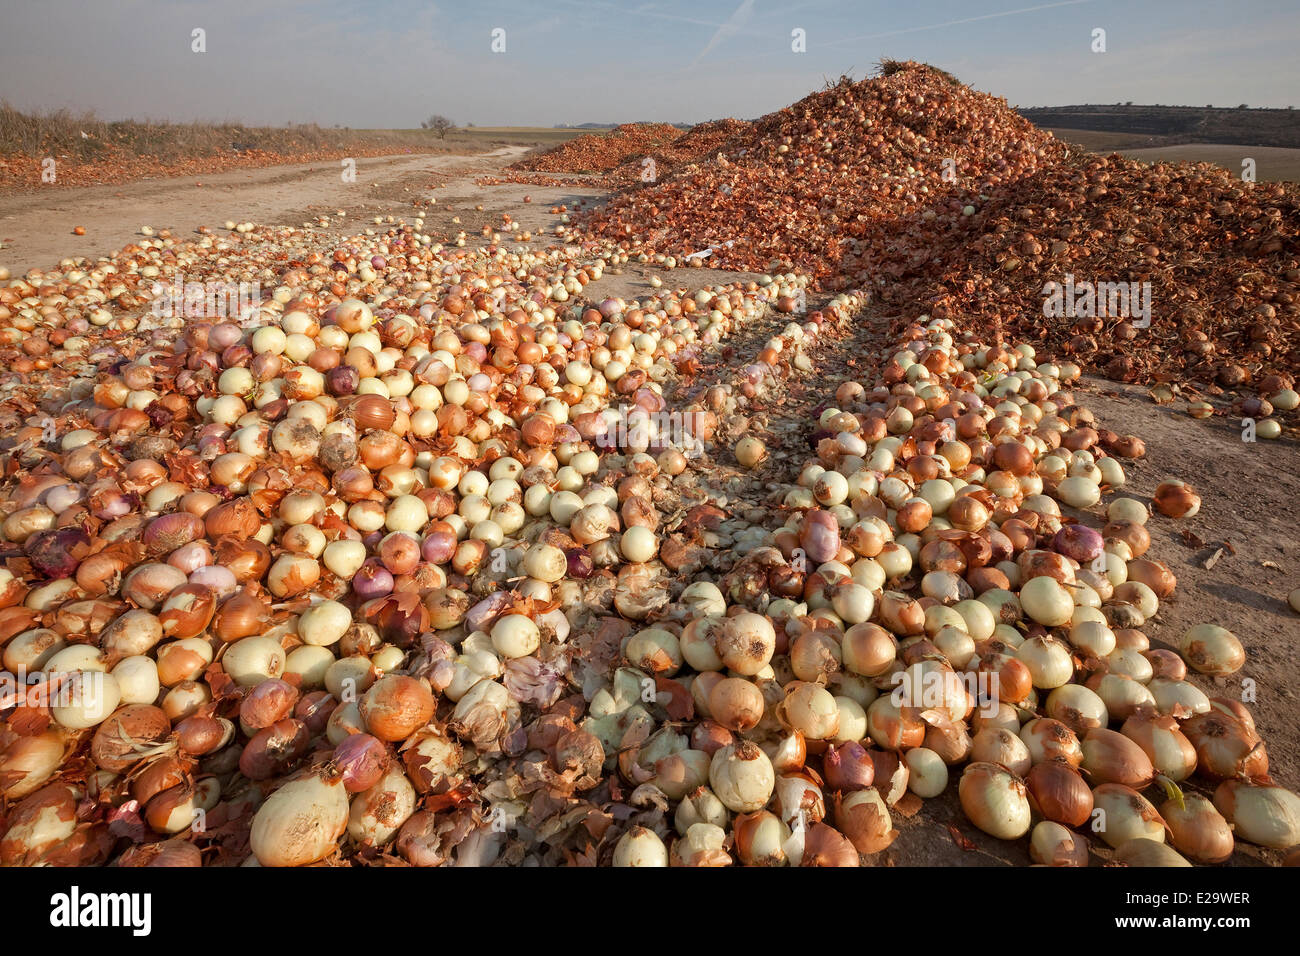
{"points": [[127, 736]]}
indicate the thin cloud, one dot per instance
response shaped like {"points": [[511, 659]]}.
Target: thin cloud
{"points": [[953, 23], [648, 11], [735, 23]]}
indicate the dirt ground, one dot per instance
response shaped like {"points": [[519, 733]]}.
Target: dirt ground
{"points": [[1250, 492], [1272, 163], [36, 227]]}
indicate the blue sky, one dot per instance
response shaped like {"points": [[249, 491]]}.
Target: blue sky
{"points": [[386, 63]]}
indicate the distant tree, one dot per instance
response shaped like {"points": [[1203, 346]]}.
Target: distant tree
{"points": [[439, 123], [1242, 106], [1129, 103]]}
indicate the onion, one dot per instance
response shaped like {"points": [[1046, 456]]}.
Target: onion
{"points": [[1125, 815], [1110, 757], [1000, 746], [1048, 739], [1048, 661], [1176, 499], [745, 643], [640, 847], [847, 766], [1079, 543], [1057, 792], [396, 706], [26, 763], [378, 812], [1225, 747], [819, 535], [1197, 829], [1260, 813], [1171, 753], [995, 800], [1145, 852], [742, 777], [129, 736], [1046, 601], [1213, 650], [1053, 845], [300, 822], [861, 815]]}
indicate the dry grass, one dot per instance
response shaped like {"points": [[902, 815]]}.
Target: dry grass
{"points": [[888, 67], [92, 151], [86, 138]]}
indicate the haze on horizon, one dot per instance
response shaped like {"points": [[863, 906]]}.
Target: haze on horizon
{"points": [[391, 63]]}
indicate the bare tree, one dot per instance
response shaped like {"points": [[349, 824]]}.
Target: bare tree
{"points": [[440, 123]]}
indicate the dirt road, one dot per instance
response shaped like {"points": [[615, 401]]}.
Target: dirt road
{"points": [[36, 228]]}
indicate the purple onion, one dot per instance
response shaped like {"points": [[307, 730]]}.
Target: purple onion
{"points": [[372, 580], [342, 380], [217, 577], [51, 551], [819, 534], [378, 262], [580, 563], [1079, 543], [110, 505], [650, 400], [847, 766], [438, 546], [361, 759], [477, 351], [159, 415], [224, 334]]}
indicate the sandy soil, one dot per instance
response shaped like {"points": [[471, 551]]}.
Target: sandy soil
{"points": [[1250, 492]]}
